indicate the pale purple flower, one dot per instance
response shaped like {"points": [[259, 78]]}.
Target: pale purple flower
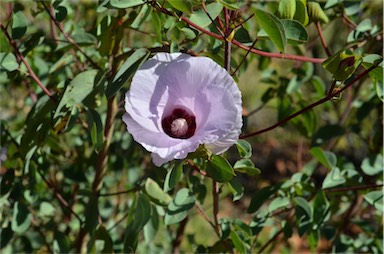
{"points": [[177, 102]]}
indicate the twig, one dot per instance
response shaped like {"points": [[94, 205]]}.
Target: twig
{"points": [[354, 188], [194, 167], [327, 98], [179, 236], [119, 192], [21, 57], [69, 39], [58, 196], [227, 42], [205, 216], [243, 59], [325, 46], [270, 241], [242, 46], [215, 194]]}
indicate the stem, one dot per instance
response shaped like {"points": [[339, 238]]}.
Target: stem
{"points": [[120, 192], [58, 196], [69, 39], [21, 57], [215, 194], [243, 59], [227, 42], [355, 188], [179, 236], [103, 155], [325, 46], [327, 98], [270, 241], [242, 46]]}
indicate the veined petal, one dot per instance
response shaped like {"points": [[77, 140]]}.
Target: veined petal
{"points": [[197, 85]]}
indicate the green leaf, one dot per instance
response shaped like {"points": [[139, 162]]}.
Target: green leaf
{"points": [[375, 198], [246, 166], [303, 215], [139, 214], [316, 13], [273, 28], [8, 62], [334, 178], [236, 188], [19, 25], [287, 9], [294, 31], [126, 71], [142, 16], [79, 88], [97, 130], [91, 214], [46, 209], [219, 169], [364, 25], [328, 159], [261, 196], [183, 6], [244, 148], [322, 210], [200, 18], [173, 176], [21, 219], [326, 133], [60, 13], [150, 229], [156, 194], [180, 206], [238, 242], [342, 64], [301, 13], [122, 4], [373, 165], [84, 39], [61, 243], [230, 4], [103, 235], [277, 203], [7, 181]]}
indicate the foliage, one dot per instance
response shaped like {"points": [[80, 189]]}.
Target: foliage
{"points": [[73, 180]]}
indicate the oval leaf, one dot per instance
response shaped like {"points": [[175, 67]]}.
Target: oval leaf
{"points": [[219, 169], [180, 206], [273, 28], [154, 191]]}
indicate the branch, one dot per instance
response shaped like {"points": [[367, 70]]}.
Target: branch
{"points": [[69, 39], [355, 188], [327, 98], [242, 46], [120, 192], [58, 196], [21, 57], [179, 236], [325, 46], [215, 194]]}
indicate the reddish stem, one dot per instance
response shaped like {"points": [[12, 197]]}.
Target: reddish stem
{"points": [[323, 42], [327, 98], [21, 57]]}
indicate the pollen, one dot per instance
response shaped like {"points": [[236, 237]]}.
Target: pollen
{"points": [[179, 127]]}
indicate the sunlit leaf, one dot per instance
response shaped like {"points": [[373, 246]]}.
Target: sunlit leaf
{"points": [[201, 18], [154, 191], [273, 27], [122, 4], [19, 25], [220, 169], [334, 178], [179, 207]]}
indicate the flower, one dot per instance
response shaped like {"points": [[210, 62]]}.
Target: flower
{"points": [[177, 102]]}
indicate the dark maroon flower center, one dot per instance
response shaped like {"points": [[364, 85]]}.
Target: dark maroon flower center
{"points": [[179, 124]]}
